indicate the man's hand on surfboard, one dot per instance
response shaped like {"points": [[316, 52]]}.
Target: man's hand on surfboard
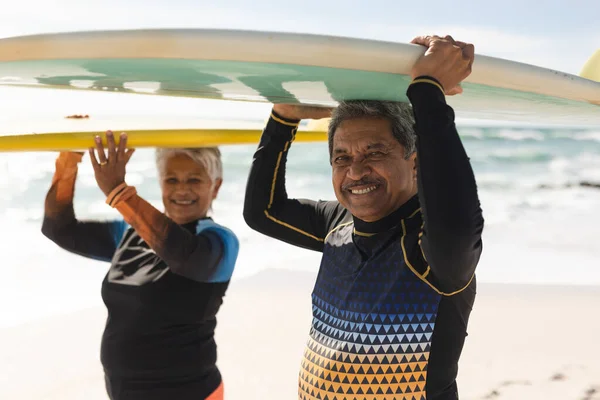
{"points": [[297, 112], [109, 168], [447, 60]]}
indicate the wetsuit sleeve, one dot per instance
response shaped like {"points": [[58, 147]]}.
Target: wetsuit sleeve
{"points": [[452, 218], [93, 239], [267, 207], [208, 256]]}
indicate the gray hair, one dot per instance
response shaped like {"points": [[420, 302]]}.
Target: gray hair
{"points": [[208, 157], [399, 114]]}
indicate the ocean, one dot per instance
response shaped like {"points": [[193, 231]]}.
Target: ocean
{"points": [[536, 187]]}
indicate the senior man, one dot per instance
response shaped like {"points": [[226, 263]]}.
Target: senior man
{"points": [[396, 283]]}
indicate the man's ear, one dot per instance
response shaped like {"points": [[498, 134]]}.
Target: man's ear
{"points": [[413, 157]]}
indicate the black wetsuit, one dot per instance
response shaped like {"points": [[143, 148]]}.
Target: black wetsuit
{"points": [[162, 301], [392, 298]]}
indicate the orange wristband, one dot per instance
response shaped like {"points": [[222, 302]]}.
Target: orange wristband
{"points": [[121, 193], [123, 196], [118, 189]]}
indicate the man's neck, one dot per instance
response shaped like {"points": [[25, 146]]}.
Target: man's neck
{"points": [[391, 220]]}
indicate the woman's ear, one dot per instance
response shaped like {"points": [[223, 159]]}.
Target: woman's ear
{"points": [[216, 187]]}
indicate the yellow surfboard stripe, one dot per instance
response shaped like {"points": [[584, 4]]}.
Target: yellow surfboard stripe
{"points": [[65, 141]]}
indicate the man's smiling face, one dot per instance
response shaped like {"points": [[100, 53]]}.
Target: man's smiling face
{"points": [[371, 176]]}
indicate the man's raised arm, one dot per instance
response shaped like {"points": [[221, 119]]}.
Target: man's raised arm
{"points": [[267, 208]]}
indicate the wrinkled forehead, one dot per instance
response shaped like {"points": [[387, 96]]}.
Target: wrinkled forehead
{"points": [[362, 135]]}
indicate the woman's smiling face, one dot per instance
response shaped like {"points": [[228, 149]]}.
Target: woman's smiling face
{"points": [[187, 189]]}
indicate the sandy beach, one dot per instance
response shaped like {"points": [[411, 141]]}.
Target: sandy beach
{"points": [[525, 342]]}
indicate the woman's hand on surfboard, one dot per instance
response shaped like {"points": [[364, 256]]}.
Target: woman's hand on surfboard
{"points": [[447, 60], [298, 112], [109, 167]]}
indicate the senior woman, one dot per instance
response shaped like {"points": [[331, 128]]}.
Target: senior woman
{"points": [[168, 271]]}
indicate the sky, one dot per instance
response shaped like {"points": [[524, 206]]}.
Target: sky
{"points": [[550, 34]]}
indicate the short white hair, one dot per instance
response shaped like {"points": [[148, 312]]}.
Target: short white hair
{"points": [[208, 157]]}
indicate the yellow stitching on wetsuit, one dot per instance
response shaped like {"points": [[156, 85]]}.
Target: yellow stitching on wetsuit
{"points": [[421, 241], [285, 148], [427, 272], [422, 277], [274, 181], [422, 251], [414, 212], [420, 235], [363, 234], [337, 227], [294, 124], [269, 216], [424, 80], [291, 227], [420, 246]]}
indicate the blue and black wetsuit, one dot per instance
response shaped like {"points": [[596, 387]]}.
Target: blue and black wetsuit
{"points": [[163, 290], [392, 298]]}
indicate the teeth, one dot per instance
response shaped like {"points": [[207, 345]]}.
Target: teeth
{"points": [[363, 191], [183, 202]]}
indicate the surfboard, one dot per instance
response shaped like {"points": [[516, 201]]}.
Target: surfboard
{"points": [[270, 67], [55, 120], [77, 132], [591, 69], [174, 138]]}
